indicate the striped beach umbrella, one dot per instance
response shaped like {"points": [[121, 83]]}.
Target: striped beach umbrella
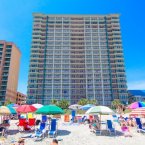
{"points": [[138, 112]]}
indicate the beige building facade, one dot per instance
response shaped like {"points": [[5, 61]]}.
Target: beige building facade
{"points": [[21, 98], [9, 71]]}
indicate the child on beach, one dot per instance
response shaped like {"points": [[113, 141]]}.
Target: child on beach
{"points": [[125, 129]]}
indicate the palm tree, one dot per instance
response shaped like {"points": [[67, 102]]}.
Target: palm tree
{"points": [[83, 101], [54, 102], [94, 102], [63, 104], [116, 103]]}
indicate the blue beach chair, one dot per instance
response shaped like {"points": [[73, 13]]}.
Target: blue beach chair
{"points": [[53, 128], [139, 125], [44, 118], [110, 127], [40, 131]]}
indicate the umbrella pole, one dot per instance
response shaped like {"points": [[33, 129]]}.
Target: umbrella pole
{"points": [[100, 122]]}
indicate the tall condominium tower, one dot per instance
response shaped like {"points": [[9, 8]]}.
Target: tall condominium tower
{"points": [[76, 56], [9, 70]]}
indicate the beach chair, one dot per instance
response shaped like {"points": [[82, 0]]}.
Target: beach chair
{"points": [[139, 125], [3, 131], [115, 118], [110, 127], [21, 124], [66, 118], [40, 131], [73, 113], [44, 118], [53, 128], [31, 123]]}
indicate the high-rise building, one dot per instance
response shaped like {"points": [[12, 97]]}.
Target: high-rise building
{"points": [[21, 98], [9, 71], [76, 56]]}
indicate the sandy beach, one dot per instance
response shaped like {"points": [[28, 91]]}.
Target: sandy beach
{"points": [[78, 134]]}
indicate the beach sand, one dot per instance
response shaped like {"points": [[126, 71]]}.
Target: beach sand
{"points": [[78, 134]]}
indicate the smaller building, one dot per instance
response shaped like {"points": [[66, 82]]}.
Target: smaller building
{"points": [[136, 95], [21, 98]]}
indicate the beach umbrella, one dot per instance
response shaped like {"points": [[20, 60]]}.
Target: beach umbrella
{"points": [[136, 105], [50, 110], [13, 105], [37, 105], [12, 110], [75, 106], [26, 109], [86, 107], [4, 110], [102, 110], [138, 112]]}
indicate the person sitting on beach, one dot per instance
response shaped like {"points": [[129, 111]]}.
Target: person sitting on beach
{"points": [[125, 129], [121, 119], [95, 126], [26, 126], [130, 122], [54, 142]]}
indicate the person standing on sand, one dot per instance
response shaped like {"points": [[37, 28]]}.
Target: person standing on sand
{"points": [[54, 142]]}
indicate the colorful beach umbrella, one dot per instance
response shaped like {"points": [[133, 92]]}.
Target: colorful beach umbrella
{"points": [[102, 110], [26, 109], [136, 105], [12, 110], [4, 110], [37, 105], [13, 105], [50, 110], [75, 106], [138, 112], [86, 107]]}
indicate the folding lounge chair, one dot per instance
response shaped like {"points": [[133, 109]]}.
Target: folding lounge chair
{"points": [[44, 118], [53, 128], [110, 127], [139, 125], [3, 131], [21, 124], [40, 131], [32, 122]]}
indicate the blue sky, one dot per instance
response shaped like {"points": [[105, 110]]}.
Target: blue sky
{"points": [[16, 25]]}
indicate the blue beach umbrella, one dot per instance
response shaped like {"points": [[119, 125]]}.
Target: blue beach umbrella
{"points": [[86, 107]]}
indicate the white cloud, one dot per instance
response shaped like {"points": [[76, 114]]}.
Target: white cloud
{"points": [[136, 85]]}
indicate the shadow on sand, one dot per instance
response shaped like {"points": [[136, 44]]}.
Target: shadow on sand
{"points": [[13, 131], [63, 132], [106, 133]]}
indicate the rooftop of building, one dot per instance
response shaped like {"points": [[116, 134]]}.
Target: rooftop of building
{"points": [[75, 15], [10, 43], [21, 94]]}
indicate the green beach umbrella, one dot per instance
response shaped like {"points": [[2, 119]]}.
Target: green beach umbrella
{"points": [[50, 110]]}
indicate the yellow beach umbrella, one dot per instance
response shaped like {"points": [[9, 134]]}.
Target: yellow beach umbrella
{"points": [[4, 110]]}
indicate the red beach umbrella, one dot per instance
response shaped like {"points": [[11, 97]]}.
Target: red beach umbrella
{"points": [[138, 112], [26, 109]]}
